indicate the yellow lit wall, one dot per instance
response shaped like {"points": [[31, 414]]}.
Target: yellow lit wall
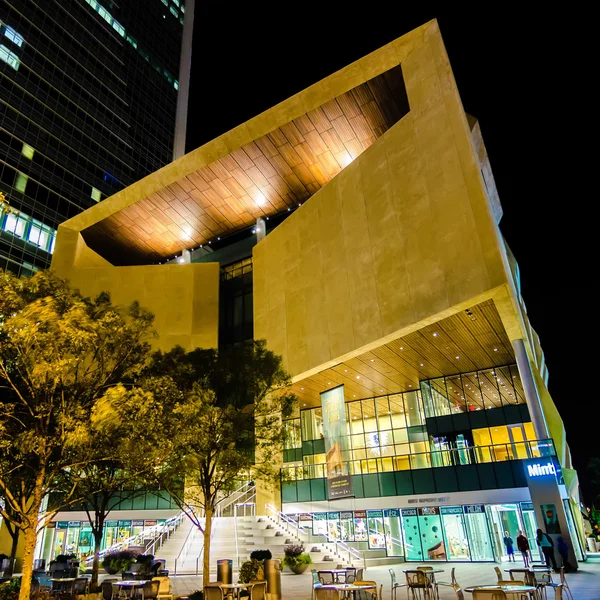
{"points": [[402, 234]]}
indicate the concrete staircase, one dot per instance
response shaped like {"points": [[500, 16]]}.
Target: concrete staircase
{"points": [[172, 547]]}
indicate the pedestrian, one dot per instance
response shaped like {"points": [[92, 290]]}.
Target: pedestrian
{"points": [[523, 546], [563, 550], [508, 542], [547, 546]]}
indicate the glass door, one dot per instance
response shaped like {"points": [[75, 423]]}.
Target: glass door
{"points": [[504, 518], [333, 526], [432, 539], [455, 533], [393, 532], [347, 526], [411, 534], [480, 542], [360, 526], [530, 528], [376, 530]]}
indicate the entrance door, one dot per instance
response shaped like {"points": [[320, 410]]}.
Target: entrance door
{"points": [[393, 532], [411, 534], [529, 528], [455, 533], [480, 542], [505, 517]]}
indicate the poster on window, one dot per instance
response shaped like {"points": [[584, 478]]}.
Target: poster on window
{"points": [[551, 524], [339, 482]]}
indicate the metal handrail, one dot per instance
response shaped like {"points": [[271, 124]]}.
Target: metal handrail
{"points": [[353, 553], [241, 491], [191, 535]]}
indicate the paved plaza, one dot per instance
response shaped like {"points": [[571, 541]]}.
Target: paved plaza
{"points": [[585, 584]]}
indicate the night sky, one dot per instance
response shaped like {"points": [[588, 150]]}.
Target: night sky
{"points": [[520, 73]]}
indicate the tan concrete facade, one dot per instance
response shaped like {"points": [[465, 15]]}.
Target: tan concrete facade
{"points": [[404, 236]]}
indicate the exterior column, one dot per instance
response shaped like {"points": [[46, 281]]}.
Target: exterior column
{"points": [[531, 393]]}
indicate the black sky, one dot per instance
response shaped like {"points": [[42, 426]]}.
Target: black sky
{"points": [[520, 72]]}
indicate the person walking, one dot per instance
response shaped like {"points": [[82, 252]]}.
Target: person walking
{"points": [[563, 550], [523, 546], [508, 542], [547, 545]]}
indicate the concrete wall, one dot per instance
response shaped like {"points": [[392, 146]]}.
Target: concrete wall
{"points": [[402, 234]]}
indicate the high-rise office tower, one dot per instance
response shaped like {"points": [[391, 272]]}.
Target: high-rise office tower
{"points": [[93, 98]]}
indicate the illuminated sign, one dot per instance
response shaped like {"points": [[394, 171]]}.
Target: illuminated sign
{"points": [[539, 470]]}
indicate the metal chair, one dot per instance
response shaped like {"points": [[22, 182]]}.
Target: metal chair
{"points": [[350, 574], [395, 584], [150, 590], [316, 582], [326, 577], [107, 590], [563, 585], [324, 593], [80, 586], [258, 591], [452, 582], [164, 587], [420, 584], [499, 573], [458, 592], [213, 591]]}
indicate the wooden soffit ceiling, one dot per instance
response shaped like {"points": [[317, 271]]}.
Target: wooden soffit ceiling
{"points": [[273, 174], [467, 341]]}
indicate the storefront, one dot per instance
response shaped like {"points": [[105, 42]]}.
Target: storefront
{"points": [[470, 533]]}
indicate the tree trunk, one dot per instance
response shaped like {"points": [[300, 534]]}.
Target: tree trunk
{"points": [[13, 552], [206, 558], [96, 564], [27, 570]]}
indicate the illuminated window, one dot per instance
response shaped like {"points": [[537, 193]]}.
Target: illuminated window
{"points": [[165, 2], [10, 58], [173, 11], [176, 84], [28, 151], [14, 224], [132, 41], [118, 28], [21, 182], [13, 36], [39, 235], [96, 194], [175, 2]]}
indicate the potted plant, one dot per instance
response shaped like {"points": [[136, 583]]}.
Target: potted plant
{"points": [[296, 559], [251, 570], [120, 560]]}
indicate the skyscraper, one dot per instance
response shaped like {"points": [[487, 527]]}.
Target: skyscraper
{"points": [[93, 98]]}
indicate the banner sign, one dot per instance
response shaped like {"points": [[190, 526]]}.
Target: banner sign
{"points": [[429, 510], [339, 482], [526, 505], [306, 517], [409, 512], [149, 522], [392, 512], [74, 523], [474, 509], [138, 522], [451, 510], [333, 516], [112, 523], [124, 523], [346, 515], [62, 524]]}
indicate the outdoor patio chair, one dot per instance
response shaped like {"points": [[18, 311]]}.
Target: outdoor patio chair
{"points": [[359, 574], [326, 577], [164, 587], [80, 586], [565, 591], [395, 584], [213, 591], [324, 593], [458, 592], [499, 575], [107, 590], [150, 590], [420, 585], [452, 581], [350, 574], [258, 591]]}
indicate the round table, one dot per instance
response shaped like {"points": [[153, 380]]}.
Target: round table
{"points": [[235, 587], [507, 589], [59, 584], [424, 570], [350, 587], [130, 585]]}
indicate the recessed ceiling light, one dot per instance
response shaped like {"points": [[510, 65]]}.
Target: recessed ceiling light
{"points": [[372, 360], [422, 365], [305, 404], [329, 383], [345, 370], [495, 349], [358, 377], [302, 389], [401, 347], [457, 357], [410, 385], [435, 334]]}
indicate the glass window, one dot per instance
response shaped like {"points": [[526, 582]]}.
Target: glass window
{"points": [[15, 224], [383, 414], [414, 413], [96, 194], [28, 151], [292, 431], [355, 419], [13, 36], [369, 420], [312, 424], [21, 182], [432, 539], [455, 533], [10, 58]]}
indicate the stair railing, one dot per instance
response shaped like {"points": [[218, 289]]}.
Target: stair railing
{"points": [[235, 496], [293, 528], [189, 538]]}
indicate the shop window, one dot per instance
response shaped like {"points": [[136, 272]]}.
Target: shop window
{"points": [[15, 225], [312, 424], [10, 58]]}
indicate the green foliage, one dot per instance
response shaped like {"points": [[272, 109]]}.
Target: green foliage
{"points": [[120, 560], [295, 556], [249, 570], [224, 423], [261, 555], [60, 355], [10, 590], [145, 560]]}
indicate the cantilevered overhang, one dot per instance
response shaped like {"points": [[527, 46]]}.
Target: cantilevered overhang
{"points": [[270, 165], [471, 340]]}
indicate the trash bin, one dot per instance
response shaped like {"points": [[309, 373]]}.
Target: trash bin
{"points": [[273, 577], [225, 570]]}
